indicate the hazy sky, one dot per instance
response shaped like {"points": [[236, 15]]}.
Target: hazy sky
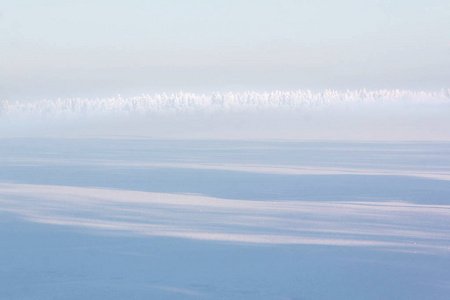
{"points": [[92, 48]]}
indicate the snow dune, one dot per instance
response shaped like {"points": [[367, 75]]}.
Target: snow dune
{"points": [[347, 194], [392, 226], [140, 218]]}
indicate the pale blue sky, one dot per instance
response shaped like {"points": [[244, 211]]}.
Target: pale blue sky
{"points": [[94, 48]]}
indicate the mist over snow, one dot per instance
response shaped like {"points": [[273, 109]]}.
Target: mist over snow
{"points": [[224, 150], [296, 115]]}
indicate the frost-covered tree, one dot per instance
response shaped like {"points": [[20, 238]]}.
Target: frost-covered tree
{"points": [[301, 100]]}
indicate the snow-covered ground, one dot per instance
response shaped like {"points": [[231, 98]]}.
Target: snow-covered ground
{"points": [[223, 197], [165, 219]]}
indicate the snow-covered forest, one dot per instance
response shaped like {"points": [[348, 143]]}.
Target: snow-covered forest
{"points": [[300, 100], [301, 115]]}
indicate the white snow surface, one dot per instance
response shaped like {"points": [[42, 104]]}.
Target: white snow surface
{"points": [[140, 218], [348, 223]]}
